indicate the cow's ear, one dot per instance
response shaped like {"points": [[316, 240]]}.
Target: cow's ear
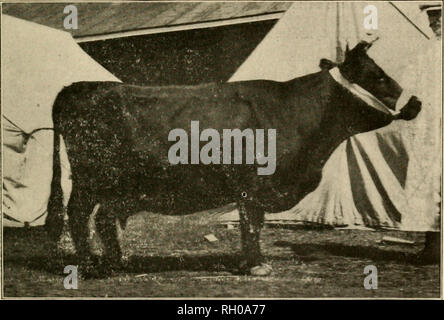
{"points": [[326, 64], [362, 47], [349, 52]]}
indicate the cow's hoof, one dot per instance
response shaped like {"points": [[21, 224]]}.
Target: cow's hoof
{"points": [[262, 270], [256, 268], [89, 271], [109, 266], [96, 272], [54, 261], [92, 268]]}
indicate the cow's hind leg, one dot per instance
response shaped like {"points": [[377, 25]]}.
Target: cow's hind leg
{"points": [[54, 229], [80, 208], [107, 229], [55, 218], [251, 222]]}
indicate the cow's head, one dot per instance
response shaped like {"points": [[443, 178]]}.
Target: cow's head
{"points": [[359, 69]]}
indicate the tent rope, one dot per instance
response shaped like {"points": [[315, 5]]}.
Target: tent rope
{"points": [[25, 223], [26, 135], [29, 135], [409, 20]]}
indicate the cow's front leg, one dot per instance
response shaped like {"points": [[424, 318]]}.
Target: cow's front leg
{"points": [[251, 222]]}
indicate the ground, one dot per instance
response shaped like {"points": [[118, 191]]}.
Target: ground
{"points": [[168, 256]]}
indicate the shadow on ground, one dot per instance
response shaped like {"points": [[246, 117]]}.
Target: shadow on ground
{"points": [[311, 252]]}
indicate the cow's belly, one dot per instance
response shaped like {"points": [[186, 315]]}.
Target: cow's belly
{"points": [[115, 171], [168, 189], [185, 189]]}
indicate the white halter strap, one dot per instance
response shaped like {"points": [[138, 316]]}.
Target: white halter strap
{"points": [[360, 92]]}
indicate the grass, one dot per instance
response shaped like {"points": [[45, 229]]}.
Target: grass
{"points": [[167, 256]]}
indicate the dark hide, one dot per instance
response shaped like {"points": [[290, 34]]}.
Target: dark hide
{"points": [[117, 142]]}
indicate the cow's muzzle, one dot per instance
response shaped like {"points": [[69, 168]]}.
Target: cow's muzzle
{"points": [[410, 110]]}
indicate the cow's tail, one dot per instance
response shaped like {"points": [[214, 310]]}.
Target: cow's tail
{"points": [[55, 218]]}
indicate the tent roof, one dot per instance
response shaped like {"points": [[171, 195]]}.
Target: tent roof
{"points": [[401, 28], [37, 63], [117, 19]]}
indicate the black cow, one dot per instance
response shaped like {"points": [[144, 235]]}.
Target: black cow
{"points": [[116, 137]]}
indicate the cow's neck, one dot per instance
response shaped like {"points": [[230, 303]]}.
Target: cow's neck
{"points": [[359, 92], [332, 131]]}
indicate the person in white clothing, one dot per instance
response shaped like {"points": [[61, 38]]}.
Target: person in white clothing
{"points": [[424, 173]]}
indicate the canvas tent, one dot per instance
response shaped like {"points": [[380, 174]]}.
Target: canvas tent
{"points": [[37, 62], [293, 48], [363, 182], [295, 45]]}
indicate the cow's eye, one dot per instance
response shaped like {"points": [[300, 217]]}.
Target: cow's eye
{"points": [[382, 79]]}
